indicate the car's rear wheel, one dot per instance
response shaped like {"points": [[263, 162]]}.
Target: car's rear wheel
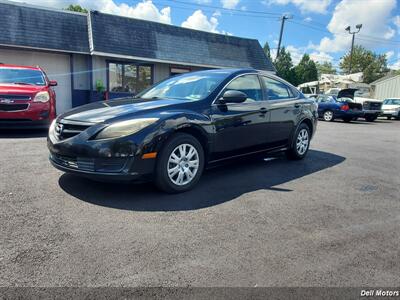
{"points": [[370, 118], [328, 116], [300, 143], [389, 117], [180, 164]]}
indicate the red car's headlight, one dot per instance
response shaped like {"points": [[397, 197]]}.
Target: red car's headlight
{"points": [[42, 97]]}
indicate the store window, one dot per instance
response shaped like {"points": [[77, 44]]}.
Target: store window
{"points": [[129, 78]]}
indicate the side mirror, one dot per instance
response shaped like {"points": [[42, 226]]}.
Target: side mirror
{"points": [[52, 83], [233, 96]]}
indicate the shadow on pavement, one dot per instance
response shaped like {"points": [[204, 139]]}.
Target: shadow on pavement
{"points": [[217, 185], [22, 133]]}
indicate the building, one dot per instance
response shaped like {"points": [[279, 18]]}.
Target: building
{"points": [[124, 55], [386, 87]]}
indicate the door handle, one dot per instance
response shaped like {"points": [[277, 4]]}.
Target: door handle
{"points": [[297, 105], [263, 110]]}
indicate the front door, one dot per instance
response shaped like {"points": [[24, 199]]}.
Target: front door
{"points": [[240, 126]]}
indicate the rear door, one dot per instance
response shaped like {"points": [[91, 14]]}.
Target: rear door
{"points": [[283, 107], [240, 127]]}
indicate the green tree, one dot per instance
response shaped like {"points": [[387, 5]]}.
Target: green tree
{"points": [[267, 51], [373, 66], [284, 66], [306, 70], [325, 68], [76, 8]]}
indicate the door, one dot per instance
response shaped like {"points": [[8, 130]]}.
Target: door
{"points": [[240, 126], [283, 107]]}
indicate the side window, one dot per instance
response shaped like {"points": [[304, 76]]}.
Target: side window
{"points": [[276, 90], [248, 84]]}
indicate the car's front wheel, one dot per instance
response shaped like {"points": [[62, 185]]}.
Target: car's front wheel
{"points": [[300, 143], [180, 164]]}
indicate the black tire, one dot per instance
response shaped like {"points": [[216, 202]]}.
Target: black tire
{"points": [[328, 116], [347, 120], [370, 118], [162, 180], [389, 118], [293, 153]]}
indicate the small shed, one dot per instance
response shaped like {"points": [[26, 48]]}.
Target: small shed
{"points": [[386, 87]]}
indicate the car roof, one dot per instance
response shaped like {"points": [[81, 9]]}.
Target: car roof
{"points": [[19, 67]]}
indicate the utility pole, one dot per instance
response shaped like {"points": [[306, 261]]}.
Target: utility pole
{"points": [[348, 29], [283, 19]]}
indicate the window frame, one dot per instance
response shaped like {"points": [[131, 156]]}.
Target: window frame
{"points": [[132, 63], [292, 94], [215, 101]]}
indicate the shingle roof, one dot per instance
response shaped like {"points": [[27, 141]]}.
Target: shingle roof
{"points": [[43, 28], [139, 38], [28, 26]]}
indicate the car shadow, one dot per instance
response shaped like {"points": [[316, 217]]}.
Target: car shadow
{"points": [[22, 133], [217, 185]]}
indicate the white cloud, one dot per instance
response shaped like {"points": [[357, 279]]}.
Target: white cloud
{"points": [[312, 6], [200, 21], [203, 1], [375, 18], [389, 54], [229, 4], [143, 10], [295, 53], [396, 64], [308, 19], [321, 57]]}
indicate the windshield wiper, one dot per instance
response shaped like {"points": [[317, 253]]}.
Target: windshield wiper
{"points": [[23, 83]]}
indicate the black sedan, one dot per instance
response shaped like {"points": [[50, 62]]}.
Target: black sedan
{"points": [[170, 132]]}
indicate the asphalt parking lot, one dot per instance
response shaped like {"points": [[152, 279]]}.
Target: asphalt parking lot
{"points": [[332, 219]]}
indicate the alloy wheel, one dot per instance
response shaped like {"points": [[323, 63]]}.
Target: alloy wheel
{"points": [[183, 164], [302, 141], [328, 115]]}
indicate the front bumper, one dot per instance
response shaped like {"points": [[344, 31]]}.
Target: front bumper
{"points": [[372, 112], [23, 124], [106, 160], [390, 113]]}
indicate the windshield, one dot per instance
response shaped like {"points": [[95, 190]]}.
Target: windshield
{"points": [[21, 76], [190, 86], [392, 102]]}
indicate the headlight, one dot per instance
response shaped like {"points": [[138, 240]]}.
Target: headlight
{"points": [[124, 128], [42, 97]]}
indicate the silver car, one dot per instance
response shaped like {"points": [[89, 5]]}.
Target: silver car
{"points": [[391, 108]]}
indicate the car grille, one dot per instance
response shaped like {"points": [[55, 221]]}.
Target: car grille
{"points": [[66, 130], [15, 97], [105, 165], [372, 105], [13, 107]]}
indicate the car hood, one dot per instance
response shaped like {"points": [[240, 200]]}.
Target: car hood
{"points": [[106, 110], [17, 89], [390, 106]]}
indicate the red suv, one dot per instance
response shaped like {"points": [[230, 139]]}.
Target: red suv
{"points": [[26, 97]]}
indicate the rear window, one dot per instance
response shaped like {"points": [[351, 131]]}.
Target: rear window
{"points": [[21, 76]]}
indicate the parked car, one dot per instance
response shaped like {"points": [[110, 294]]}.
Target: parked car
{"points": [[330, 108], [171, 131], [371, 107], [27, 98], [391, 108]]}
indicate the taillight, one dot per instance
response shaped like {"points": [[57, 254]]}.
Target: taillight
{"points": [[345, 107]]}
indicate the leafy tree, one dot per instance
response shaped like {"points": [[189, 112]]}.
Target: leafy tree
{"points": [[76, 8], [306, 70], [325, 68], [284, 66], [373, 66], [267, 51]]}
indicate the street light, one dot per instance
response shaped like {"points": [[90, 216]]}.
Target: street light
{"points": [[348, 29]]}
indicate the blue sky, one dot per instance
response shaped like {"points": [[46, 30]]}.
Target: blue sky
{"points": [[316, 27]]}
